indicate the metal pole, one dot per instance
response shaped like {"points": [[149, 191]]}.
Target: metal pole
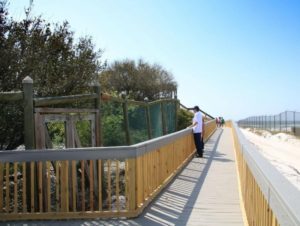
{"points": [[280, 122], [286, 129], [294, 122]]}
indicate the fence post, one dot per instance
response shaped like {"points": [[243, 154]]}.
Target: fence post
{"points": [[286, 129], [28, 132], [176, 112], [280, 122], [99, 136], [163, 117], [274, 123], [126, 121], [148, 119], [294, 122], [28, 113]]}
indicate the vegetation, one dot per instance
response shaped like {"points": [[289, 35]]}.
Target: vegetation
{"points": [[184, 118], [50, 56], [60, 66], [138, 80]]}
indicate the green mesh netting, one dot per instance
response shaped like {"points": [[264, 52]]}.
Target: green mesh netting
{"points": [[170, 114], [156, 120], [137, 119], [113, 131]]}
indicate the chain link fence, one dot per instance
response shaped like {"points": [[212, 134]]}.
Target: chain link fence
{"points": [[288, 121]]}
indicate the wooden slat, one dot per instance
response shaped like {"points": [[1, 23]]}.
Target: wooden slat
{"points": [[132, 183], [91, 168], [11, 96], [32, 183], [24, 176], [140, 188], [100, 184], [48, 193], [15, 187], [45, 101], [40, 186], [7, 199], [126, 185], [109, 183], [118, 184], [1, 186], [40, 140], [74, 186], [64, 110], [57, 186], [64, 186], [82, 186]]}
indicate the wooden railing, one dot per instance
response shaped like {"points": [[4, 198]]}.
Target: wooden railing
{"points": [[268, 197], [93, 182]]}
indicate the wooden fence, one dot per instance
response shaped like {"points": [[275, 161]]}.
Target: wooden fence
{"points": [[91, 182], [268, 197]]}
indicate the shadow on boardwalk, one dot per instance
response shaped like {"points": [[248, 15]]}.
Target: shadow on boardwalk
{"points": [[175, 203]]}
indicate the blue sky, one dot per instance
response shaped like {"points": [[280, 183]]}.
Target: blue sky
{"points": [[233, 58]]}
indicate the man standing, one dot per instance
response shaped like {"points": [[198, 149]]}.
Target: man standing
{"points": [[198, 130]]}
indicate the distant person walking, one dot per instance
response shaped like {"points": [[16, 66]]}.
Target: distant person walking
{"points": [[198, 130], [217, 121], [222, 121]]}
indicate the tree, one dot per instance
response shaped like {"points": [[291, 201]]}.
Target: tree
{"points": [[138, 80], [184, 118], [50, 56]]}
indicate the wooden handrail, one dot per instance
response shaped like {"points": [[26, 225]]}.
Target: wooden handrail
{"points": [[269, 198]]}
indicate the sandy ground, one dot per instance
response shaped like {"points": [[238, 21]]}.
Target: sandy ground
{"points": [[282, 150]]}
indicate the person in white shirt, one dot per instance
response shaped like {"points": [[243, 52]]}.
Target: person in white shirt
{"points": [[198, 130]]}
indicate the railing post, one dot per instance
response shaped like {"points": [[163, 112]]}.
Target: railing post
{"points": [[28, 113], [126, 121], [99, 136]]}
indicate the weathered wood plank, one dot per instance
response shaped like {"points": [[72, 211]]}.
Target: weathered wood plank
{"points": [[11, 96], [7, 198], [64, 186], [57, 185], [32, 187], [46, 101], [109, 183], [91, 179], [82, 169], [100, 185], [15, 187], [48, 187], [40, 186], [1, 187], [118, 184], [74, 186]]}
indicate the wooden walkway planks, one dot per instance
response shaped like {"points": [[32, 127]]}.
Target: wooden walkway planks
{"points": [[204, 193]]}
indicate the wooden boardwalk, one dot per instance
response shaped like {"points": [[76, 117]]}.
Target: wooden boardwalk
{"points": [[204, 193]]}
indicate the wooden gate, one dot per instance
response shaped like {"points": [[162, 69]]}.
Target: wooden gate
{"points": [[69, 117]]}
